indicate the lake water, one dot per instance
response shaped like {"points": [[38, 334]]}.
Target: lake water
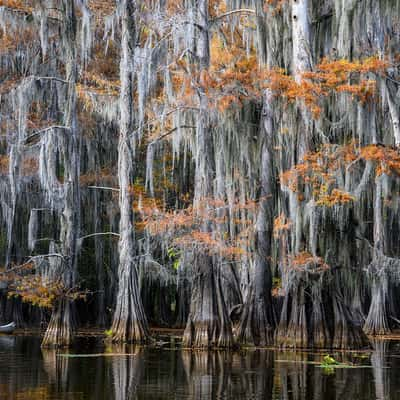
{"points": [[93, 371]]}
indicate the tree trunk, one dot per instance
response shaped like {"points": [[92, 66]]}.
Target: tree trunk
{"points": [[59, 331], [127, 372], [208, 324], [257, 321], [377, 319], [130, 322], [347, 335]]}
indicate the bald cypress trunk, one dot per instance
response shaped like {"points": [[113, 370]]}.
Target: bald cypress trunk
{"points": [[377, 322], [60, 329], [208, 323], [293, 327], [130, 322], [257, 321]]}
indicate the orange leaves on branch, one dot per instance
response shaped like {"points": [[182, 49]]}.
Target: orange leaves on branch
{"points": [[274, 6], [209, 244], [23, 282], [216, 7], [32, 289], [335, 197], [20, 5], [281, 225], [387, 159], [142, 202], [4, 164], [305, 260], [185, 227], [234, 75], [329, 77], [319, 172], [320, 169], [10, 42], [343, 68], [102, 8], [97, 83]]}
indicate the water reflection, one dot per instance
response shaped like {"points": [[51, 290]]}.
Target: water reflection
{"points": [[57, 369], [93, 371], [127, 366], [220, 375], [380, 370]]}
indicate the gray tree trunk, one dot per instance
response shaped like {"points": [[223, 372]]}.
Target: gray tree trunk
{"points": [[60, 329], [130, 322], [257, 321], [208, 324]]}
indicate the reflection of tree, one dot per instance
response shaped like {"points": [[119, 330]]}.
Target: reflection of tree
{"points": [[200, 368], [126, 371], [350, 383], [255, 372], [292, 375], [38, 393], [56, 368], [229, 375], [298, 377], [381, 374]]}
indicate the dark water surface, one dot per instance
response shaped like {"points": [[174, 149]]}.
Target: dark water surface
{"points": [[92, 371]]}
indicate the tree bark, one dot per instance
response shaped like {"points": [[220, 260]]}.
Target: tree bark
{"points": [[208, 324], [130, 322], [60, 329], [257, 321]]}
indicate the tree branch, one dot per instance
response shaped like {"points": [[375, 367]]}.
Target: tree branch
{"points": [[99, 234], [237, 11], [170, 132], [103, 188], [45, 130]]}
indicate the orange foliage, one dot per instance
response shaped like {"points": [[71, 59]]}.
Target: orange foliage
{"points": [[37, 117], [10, 42], [4, 164], [335, 197], [96, 81], [209, 244], [234, 76], [274, 6], [30, 166], [339, 76], [31, 288], [186, 227], [305, 260], [320, 169], [20, 5], [281, 225], [102, 8], [103, 177], [388, 159]]}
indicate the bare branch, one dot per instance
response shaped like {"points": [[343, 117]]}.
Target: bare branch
{"points": [[30, 259], [163, 136], [45, 130], [103, 188], [247, 11], [99, 234]]}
